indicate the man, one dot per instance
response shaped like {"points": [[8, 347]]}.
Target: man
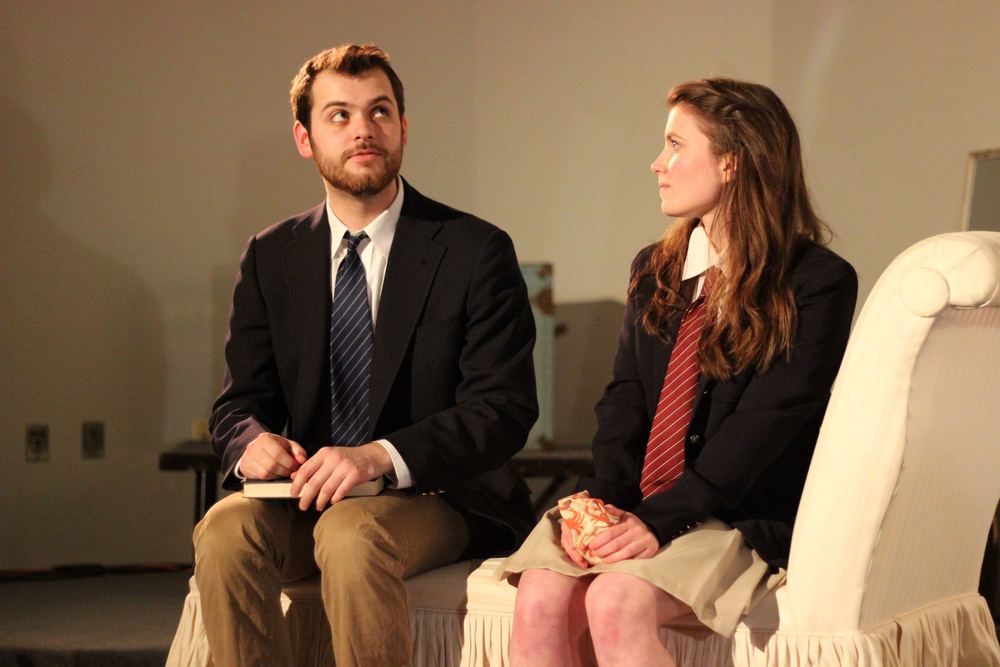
{"points": [[378, 335]]}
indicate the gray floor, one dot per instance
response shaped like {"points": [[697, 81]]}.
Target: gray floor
{"points": [[110, 620]]}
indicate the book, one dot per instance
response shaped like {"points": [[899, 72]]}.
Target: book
{"points": [[281, 489]]}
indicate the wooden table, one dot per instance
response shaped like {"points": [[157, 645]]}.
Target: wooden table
{"points": [[196, 455]]}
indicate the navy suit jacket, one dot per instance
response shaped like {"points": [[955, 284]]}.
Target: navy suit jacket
{"points": [[452, 380], [751, 437]]}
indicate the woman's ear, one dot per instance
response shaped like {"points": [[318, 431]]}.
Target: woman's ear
{"points": [[727, 167]]}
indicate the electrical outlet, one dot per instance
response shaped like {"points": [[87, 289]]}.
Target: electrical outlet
{"points": [[92, 440], [36, 443]]}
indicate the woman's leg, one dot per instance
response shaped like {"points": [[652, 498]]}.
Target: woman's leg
{"points": [[625, 614], [549, 619]]}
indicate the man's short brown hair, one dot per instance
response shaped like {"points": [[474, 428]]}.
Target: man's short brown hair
{"points": [[349, 59]]}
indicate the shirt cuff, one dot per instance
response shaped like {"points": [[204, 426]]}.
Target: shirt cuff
{"points": [[236, 470], [404, 479]]}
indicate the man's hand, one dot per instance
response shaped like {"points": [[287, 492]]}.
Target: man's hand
{"points": [[629, 538], [270, 456], [566, 540], [332, 472]]}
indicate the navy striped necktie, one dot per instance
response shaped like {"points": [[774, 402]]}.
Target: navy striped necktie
{"points": [[350, 349]]}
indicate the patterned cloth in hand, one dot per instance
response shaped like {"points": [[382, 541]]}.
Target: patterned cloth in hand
{"points": [[585, 517]]}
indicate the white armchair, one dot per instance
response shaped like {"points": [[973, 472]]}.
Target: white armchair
{"points": [[893, 522], [902, 488]]}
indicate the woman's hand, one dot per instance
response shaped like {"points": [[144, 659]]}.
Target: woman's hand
{"points": [[566, 540], [629, 538]]}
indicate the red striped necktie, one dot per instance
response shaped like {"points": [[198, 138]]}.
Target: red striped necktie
{"points": [[664, 460]]}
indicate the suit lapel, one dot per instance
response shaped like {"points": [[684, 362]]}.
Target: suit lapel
{"points": [[652, 352], [413, 262], [307, 269], [659, 355]]}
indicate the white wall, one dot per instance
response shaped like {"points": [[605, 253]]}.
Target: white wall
{"points": [[890, 98], [571, 114], [143, 144]]}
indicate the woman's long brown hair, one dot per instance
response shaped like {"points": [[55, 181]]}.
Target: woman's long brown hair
{"points": [[764, 213]]}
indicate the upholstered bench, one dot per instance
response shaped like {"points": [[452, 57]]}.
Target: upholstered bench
{"points": [[461, 618], [890, 533]]}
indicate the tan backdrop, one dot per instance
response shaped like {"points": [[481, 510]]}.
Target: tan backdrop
{"points": [[144, 142]]}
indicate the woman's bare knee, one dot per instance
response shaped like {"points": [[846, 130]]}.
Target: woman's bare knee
{"points": [[543, 595], [621, 607], [548, 618]]}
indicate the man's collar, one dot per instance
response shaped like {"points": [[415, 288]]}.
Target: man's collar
{"points": [[381, 230]]}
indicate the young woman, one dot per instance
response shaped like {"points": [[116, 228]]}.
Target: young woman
{"points": [[735, 328]]}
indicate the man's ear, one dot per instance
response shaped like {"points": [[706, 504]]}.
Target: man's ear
{"points": [[727, 167], [404, 125], [302, 142]]}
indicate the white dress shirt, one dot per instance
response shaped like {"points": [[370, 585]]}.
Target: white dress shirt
{"points": [[701, 256], [374, 253]]}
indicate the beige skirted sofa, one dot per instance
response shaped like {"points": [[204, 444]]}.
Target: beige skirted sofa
{"points": [[893, 522]]}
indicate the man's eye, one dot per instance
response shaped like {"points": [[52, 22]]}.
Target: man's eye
{"points": [[338, 116], [380, 112]]}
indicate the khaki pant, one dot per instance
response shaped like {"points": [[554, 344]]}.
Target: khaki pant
{"points": [[363, 548]]}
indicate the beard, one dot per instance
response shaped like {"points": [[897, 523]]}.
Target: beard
{"points": [[375, 178]]}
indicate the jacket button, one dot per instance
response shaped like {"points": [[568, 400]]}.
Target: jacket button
{"points": [[694, 438]]}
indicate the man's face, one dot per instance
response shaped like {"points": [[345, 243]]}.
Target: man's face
{"points": [[357, 135]]}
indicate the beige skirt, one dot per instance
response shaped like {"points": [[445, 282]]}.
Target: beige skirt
{"points": [[710, 569]]}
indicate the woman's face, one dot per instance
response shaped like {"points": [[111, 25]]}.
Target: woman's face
{"points": [[690, 176]]}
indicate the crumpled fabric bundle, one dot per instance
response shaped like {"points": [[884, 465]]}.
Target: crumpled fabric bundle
{"points": [[585, 517]]}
